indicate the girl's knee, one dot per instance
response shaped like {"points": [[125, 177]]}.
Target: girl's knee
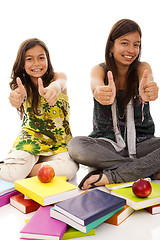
{"points": [[76, 146], [63, 165]]}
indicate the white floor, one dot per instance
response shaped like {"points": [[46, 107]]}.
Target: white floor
{"points": [[140, 225]]}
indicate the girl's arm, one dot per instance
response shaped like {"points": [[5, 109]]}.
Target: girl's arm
{"points": [[104, 94], [51, 92], [60, 83], [148, 89]]}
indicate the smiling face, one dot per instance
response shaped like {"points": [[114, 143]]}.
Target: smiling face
{"points": [[126, 49], [36, 63]]}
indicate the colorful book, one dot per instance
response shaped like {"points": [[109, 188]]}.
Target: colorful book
{"points": [[24, 205], [5, 198], [47, 193], [90, 206], [42, 226], [136, 202], [121, 216], [72, 233], [114, 186], [153, 209], [59, 216], [6, 187]]}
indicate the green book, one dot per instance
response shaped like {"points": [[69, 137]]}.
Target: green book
{"points": [[74, 233], [136, 202]]}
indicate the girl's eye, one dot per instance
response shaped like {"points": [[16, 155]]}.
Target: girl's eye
{"points": [[42, 58], [124, 43], [137, 45], [28, 59]]}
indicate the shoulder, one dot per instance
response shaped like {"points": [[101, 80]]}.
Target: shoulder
{"points": [[59, 75], [142, 67], [98, 70]]}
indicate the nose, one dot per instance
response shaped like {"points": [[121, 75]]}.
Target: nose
{"points": [[130, 49], [36, 62]]}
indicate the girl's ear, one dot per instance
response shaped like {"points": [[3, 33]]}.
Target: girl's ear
{"points": [[111, 46]]}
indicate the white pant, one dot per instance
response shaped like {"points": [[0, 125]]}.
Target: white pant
{"points": [[18, 165]]}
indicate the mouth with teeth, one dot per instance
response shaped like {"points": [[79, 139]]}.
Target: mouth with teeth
{"points": [[37, 70], [127, 57]]}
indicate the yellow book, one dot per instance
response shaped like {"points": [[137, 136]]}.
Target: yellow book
{"points": [[114, 186], [46, 193]]}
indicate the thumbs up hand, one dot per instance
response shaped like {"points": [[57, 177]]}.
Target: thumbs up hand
{"points": [[105, 95], [148, 89], [50, 93], [18, 95]]}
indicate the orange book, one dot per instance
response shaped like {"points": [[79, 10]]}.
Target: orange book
{"points": [[22, 204], [120, 216]]}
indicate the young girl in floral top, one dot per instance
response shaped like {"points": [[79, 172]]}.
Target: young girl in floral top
{"points": [[40, 96]]}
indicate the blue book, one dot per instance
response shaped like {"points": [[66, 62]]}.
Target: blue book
{"points": [[85, 229], [90, 206], [6, 187]]}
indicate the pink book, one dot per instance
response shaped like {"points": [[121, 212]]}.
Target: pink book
{"points": [[42, 226], [5, 198]]}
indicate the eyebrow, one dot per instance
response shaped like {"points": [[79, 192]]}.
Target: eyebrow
{"points": [[125, 39], [29, 55]]}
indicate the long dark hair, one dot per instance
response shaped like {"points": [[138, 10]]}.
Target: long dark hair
{"points": [[19, 71], [119, 29]]}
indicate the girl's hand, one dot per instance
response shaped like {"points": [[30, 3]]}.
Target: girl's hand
{"points": [[18, 95], [105, 95], [148, 90], [50, 93]]}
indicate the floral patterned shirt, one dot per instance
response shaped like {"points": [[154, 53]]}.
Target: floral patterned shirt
{"points": [[48, 133]]}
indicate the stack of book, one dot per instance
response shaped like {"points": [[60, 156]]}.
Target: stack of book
{"points": [[7, 190], [124, 190], [77, 215], [42, 226], [88, 210]]}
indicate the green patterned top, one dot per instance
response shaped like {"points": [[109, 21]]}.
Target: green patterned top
{"points": [[48, 133]]}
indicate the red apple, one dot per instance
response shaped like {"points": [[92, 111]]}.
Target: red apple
{"points": [[46, 173], [142, 188]]}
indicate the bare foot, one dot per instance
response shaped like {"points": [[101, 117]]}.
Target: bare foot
{"points": [[92, 179]]}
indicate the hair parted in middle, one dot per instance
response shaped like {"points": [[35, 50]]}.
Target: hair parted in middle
{"points": [[120, 28], [19, 71]]}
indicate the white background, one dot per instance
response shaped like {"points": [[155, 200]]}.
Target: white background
{"points": [[75, 33]]}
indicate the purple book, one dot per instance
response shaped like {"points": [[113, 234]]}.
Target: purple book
{"points": [[5, 198], [42, 226]]}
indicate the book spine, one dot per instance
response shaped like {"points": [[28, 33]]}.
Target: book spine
{"points": [[5, 199]]}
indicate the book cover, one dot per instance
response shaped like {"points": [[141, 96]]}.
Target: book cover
{"points": [[114, 186], [121, 216], [24, 205], [73, 233], [136, 202], [59, 216], [42, 226], [153, 209], [6, 187], [5, 198], [88, 207], [46, 193]]}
